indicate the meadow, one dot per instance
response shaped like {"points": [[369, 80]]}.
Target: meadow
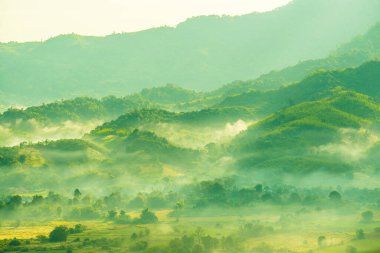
{"points": [[261, 228]]}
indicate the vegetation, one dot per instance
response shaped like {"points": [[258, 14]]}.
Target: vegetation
{"points": [[228, 48], [287, 162]]}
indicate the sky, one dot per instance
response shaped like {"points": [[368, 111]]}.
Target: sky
{"points": [[36, 20]]}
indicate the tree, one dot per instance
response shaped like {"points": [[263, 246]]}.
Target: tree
{"points": [[175, 245], [259, 188], [294, 197], [37, 199], [78, 228], [137, 202], [59, 234], [22, 159], [134, 236], [209, 242], [123, 218], [322, 241], [188, 241], [14, 201], [139, 246], [197, 249], [351, 249], [360, 234], [335, 196], [199, 232], [367, 216], [147, 217], [42, 238], [229, 244], [112, 215], [178, 209], [53, 197], [14, 242], [113, 200], [77, 194]]}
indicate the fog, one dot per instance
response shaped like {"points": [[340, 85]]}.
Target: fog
{"points": [[198, 137], [34, 131], [353, 144]]}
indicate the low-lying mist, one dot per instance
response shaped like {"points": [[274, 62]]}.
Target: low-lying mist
{"points": [[352, 145], [198, 137], [34, 131]]}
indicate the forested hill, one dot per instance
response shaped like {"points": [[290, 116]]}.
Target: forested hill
{"points": [[200, 53], [363, 79]]}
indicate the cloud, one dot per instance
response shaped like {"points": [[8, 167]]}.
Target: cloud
{"points": [[194, 137], [33, 131], [353, 144]]}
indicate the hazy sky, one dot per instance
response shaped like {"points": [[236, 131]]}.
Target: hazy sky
{"points": [[27, 20]]}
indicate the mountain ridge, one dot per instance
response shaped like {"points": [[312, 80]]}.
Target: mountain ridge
{"points": [[220, 52]]}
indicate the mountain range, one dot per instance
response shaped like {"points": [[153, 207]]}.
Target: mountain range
{"points": [[201, 53], [317, 114]]}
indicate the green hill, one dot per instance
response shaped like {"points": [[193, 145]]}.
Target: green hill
{"points": [[306, 138], [85, 108], [298, 139], [74, 117], [363, 79], [147, 117], [78, 109], [55, 153]]}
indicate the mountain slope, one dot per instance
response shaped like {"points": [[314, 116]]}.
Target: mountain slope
{"points": [[72, 118], [311, 136], [363, 79], [361, 49], [200, 53]]}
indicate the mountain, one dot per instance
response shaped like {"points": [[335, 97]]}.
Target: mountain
{"points": [[74, 117], [363, 79], [78, 109], [330, 127], [107, 108], [327, 135], [358, 51], [200, 53], [146, 118], [170, 94], [334, 135]]}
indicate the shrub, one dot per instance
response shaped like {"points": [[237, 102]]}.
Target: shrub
{"points": [[367, 216], [351, 249], [146, 217], [14, 242], [139, 246], [79, 228], [335, 196], [134, 236], [59, 234], [322, 241], [360, 234], [42, 238]]}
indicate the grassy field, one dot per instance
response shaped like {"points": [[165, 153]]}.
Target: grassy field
{"points": [[292, 231]]}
